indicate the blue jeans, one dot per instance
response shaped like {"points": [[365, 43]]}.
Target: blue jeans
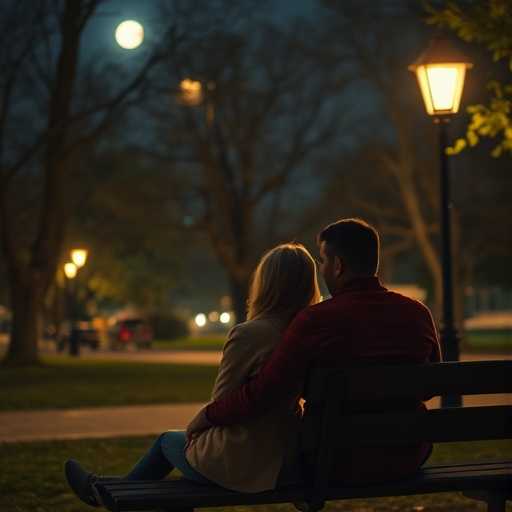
{"points": [[168, 452]]}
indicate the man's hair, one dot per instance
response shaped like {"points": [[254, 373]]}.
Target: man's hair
{"points": [[355, 242], [283, 283]]}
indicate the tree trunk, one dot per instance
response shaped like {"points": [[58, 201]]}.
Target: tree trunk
{"points": [[239, 292], [26, 306], [32, 272], [402, 169]]}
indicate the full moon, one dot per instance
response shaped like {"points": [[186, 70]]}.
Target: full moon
{"points": [[129, 34]]}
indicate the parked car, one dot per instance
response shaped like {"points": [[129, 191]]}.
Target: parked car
{"points": [[131, 331], [87, 335]]}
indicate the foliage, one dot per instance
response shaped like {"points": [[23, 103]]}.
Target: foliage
{"points": [[168, 324], [136, 246], [489, 23], [490, 121]]}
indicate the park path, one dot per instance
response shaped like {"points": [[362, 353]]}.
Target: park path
{"points": [[104, 422]]}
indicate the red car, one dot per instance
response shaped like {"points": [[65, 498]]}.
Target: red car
{"points": [[131, 330]]}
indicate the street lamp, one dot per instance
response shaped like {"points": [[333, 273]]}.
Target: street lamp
{"points": [[441, 70], [78, 257]]}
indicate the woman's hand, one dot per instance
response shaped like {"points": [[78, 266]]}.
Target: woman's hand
{"points": [[198, 425]]}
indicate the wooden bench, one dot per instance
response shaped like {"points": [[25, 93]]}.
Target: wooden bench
{"points": [[327, 426]]}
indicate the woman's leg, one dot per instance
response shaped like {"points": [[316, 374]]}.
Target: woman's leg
{"points": [[174, 448], [168, 452], [153, 465]]}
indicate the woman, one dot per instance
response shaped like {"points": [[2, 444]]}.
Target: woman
{"points": [[256, 455]]}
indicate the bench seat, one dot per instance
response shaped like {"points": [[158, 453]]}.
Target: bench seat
{"points": [[492, 475]]}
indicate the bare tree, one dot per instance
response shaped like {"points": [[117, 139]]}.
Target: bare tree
{"points": [[52, 107], [391, 176], [241, 142], [397, 190]]}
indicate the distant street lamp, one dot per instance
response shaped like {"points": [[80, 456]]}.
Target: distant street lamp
{"points": [[78, 257], [70, 270], [192, 93], [441, 70]]}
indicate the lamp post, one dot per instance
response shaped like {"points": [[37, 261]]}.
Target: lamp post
{"points": [[78, 257], [441, 71]]}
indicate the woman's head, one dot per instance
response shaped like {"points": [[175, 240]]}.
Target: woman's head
{"points": [[283, 283]]}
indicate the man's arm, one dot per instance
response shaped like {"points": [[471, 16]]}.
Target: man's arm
{"points": [[288, 366], [239, 360], [436, 355]]}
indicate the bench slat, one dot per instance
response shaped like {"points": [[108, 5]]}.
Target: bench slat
{"points": [[435, 426], [179, 493], [426, 380]]}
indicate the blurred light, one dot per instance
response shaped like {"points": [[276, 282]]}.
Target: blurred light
{"points": [[225, 318], [79, 257], [213, 316], [200, 320], [191, 92], [70, 270]]}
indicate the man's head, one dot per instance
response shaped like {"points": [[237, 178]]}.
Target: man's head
{"points": [[348, 248]]}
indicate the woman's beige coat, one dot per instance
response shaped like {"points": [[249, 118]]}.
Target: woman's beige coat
{"points": [[261, 453]]}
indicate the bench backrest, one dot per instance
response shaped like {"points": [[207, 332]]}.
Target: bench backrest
{"points": [[327, 424]]}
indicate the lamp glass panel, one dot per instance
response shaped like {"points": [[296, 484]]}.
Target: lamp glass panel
{"points": [[441, 86]]}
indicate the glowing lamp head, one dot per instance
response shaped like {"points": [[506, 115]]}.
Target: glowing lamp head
{"points": [[70, 270], [441, 71], [191, 92], [79, 257]]}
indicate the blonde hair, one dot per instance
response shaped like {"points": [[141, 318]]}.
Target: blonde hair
{"points": [[283, 283]]}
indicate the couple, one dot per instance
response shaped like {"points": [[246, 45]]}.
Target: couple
{"points": [[246, 438]]}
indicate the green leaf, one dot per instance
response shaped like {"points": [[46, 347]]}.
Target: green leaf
{"points": [[460, 144], [472, 138]]}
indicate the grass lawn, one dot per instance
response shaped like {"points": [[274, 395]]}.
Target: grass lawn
{"points": [[203, 342], [31, 478], [496, 339], [80, 382]]}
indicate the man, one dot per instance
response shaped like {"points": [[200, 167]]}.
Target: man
{"points": [[362, 324]]}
